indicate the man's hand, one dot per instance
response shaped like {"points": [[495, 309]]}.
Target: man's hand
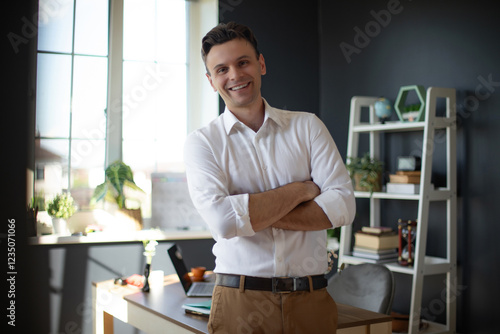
{"points": [[312, 189], [307, 216]]}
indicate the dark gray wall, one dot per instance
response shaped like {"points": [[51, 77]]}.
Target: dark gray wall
{"points": [[287, 35], [440, 43]]}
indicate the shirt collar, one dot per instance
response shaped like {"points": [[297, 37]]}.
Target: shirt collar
{"points": [[230, 120]]}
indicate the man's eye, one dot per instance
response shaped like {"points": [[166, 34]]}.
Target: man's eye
{"points": [[221, 70], [243, 63]]}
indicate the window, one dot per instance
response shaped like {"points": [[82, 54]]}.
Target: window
{"points": [[118, 79]]}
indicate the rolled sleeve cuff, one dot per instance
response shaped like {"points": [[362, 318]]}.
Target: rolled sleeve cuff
{"points": [[240, 207], [335, 207]]}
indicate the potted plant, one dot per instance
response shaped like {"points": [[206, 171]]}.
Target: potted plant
{"points": [[411, 112], [119, 188], [60, 208], [366, 173]]}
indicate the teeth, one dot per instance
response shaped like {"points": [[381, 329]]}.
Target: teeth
{"points": [[239, 87]]}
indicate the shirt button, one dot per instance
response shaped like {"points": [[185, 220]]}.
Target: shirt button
{"points": [[264, 167], [279, 259]]}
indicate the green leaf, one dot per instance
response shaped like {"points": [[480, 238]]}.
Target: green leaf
{"points": [[99, 193], [119, 176]]}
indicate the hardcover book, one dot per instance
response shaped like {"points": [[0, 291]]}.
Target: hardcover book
{"points": [[403, 188], [385, 241], [202, 308], [376, 256], [376, 229], [396, 178]]}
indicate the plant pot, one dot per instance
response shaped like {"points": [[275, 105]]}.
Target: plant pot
{"points": [[60, 226], [377, 182], [132, 217]]}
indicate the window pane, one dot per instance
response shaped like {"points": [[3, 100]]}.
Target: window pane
{"points": [[171, 27], [89, 97], [91, 27], [87, 154], [168, 156], [55, 25], [171, 115], [139, 154], [139, 30], [53, 95], [142, 83], [51, 155], [87, 169], [157, 113]]}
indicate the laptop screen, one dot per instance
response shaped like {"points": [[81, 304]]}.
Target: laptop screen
{"points": [[180, 267]]}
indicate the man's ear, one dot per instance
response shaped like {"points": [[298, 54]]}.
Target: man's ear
{"points": [[262, 64], [210, 80]]}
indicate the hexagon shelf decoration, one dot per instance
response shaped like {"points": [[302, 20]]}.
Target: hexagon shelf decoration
{"points": [[414, 112]]}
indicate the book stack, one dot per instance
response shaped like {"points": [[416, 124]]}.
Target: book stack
{"points": [[201, 309], [404, 182], [376, 244]]}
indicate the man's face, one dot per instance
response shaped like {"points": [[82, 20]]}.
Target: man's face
{"points": [[235, 72]]}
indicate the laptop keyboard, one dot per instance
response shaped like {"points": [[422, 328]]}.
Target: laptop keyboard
{"points": [[203, 288]]}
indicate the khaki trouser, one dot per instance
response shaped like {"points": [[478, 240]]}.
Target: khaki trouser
{"points": [[238, 311]]}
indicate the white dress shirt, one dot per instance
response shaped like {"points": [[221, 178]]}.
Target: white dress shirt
{"points": [[226, 161]]}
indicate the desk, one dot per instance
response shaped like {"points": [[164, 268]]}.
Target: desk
{"points": [[159, 311]]}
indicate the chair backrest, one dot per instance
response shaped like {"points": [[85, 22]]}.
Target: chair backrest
{"points": [[367, 286]]}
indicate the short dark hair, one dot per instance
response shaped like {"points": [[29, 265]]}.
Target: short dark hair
{"points": [[225, 32]]}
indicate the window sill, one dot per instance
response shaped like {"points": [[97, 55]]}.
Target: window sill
{"points": [[108, 237]]}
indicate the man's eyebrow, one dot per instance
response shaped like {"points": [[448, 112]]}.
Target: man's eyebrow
{"points": [[222, 64]]}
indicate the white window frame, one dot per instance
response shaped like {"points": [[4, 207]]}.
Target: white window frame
{"points": [[202, 104]]}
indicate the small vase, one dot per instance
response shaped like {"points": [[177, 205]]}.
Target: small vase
{"points": [[147, 271], [60, 226]]}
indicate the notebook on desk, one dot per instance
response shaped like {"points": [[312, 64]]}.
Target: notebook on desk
{"points": [[192, 289]]}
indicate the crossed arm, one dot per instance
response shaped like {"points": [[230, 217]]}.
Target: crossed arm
{"points": [[290, 207]]}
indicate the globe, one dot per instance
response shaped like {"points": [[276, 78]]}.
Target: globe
{"points": [[383, 109]]}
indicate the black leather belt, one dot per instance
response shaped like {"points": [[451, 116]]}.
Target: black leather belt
{"points": [[274, 284]]}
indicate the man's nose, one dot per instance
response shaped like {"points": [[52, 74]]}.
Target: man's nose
{"points": [[235, 73]]}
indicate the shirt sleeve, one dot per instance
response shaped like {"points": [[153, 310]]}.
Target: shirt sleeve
{"points": [[328, 171], [226, 215]]}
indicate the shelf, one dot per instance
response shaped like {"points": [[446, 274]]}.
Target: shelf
{"points": [[432, 265], [384, 195], [441, 194], [112, 237], [389, 127], [426, 265]]}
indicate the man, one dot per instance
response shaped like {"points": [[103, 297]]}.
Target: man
{"points": [[268, 183]]}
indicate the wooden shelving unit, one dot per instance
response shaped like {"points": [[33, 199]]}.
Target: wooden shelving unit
{"points": [[423, 264]]}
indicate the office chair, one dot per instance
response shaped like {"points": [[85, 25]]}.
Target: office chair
{"points": [[367, 286]]}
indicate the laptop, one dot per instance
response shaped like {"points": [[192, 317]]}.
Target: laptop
{"points": [[192, 289]]}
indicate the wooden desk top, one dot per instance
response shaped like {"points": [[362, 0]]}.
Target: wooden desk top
{"points": [[350, 316], [167, 302]]}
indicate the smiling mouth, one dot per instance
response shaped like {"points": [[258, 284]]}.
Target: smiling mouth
{"points": [[236, 88]]}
